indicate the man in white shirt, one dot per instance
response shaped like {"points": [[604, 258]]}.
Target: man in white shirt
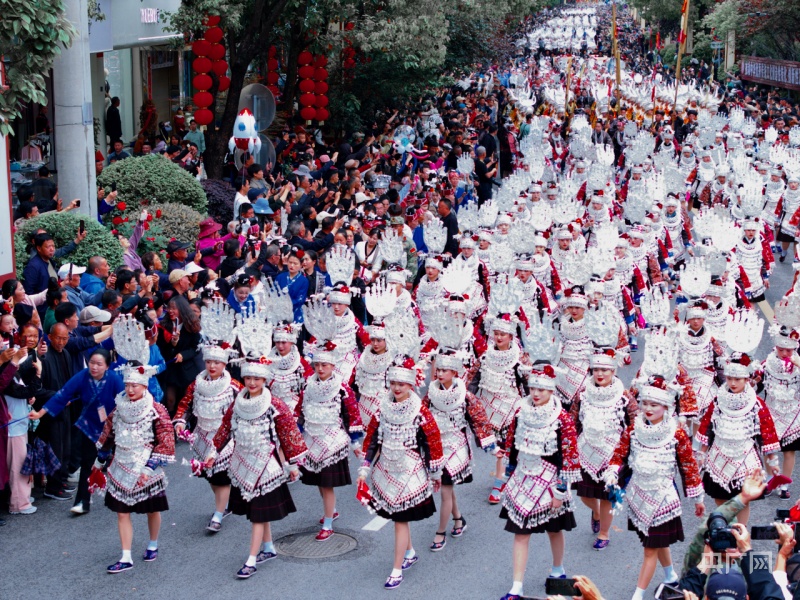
{"points": [[242, 185]]}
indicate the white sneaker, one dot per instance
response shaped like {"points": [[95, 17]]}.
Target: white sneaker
{"points": [[31, 499], [78, 510], [74, 477], [25, 511]]}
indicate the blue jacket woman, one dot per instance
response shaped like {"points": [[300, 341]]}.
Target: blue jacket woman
{"points": [[297, 283]]}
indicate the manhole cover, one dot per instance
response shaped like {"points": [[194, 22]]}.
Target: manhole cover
{"points": [[303, 545]]}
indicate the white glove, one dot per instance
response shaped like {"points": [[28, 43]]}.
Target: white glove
{"points": [[143, 216]]}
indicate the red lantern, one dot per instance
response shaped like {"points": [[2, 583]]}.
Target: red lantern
{"points": [[348, 53], [203, 99], [305, 58], [272, 64], [272, 78], [306, 72], [307, 99], [309, 113], [201, 65], [349, 26], [320, 101], [349, 63], [214, 35], [322, 114], [306, 86], [224, 83], [203, 116], [320, 87], [212, 20], [202, 82], [200, 47], [220, 67], [272, 52], [216, 52], [320, 74], [274, 89], [320, 61]]}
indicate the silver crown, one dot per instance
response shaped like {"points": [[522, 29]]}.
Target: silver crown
{"points": [[391, 247], [435, 235], [661, 350], [655, 307], [602, 325], [507, 296], [541, 341], [339, 261], [254, 333], [743, 330], [695, 277], [129, 339]]}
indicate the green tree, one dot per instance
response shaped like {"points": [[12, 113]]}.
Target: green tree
{"points": [[31, 36]]}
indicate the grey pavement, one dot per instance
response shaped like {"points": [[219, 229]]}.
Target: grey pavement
{"points": [[54, 555]]}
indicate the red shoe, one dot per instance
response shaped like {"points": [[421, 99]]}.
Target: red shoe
{"points": [[495, 494], [324, 534]]}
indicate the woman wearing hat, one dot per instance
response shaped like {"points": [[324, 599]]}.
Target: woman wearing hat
{"points": [[602, 411], [210, 395], [780, 381], [736, 429], [350, 333], [455, 410], [209, 243], [139, 434], [329, 415], [500, 384], [404, 460], [264, 434], [576, 345], [370, 384], [651, 449], [542, 462], [288, 370]]}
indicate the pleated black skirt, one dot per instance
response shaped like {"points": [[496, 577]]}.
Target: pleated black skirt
{"points": [[335, 475], [157, 503], [272, 506], [420, 512], [589, 488], [661, 536], [565, 522]]}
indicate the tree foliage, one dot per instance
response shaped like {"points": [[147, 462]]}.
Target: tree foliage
{"points": [[31, 37]]}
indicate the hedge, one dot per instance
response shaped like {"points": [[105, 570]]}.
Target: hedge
{"points": [[63, 226], [146, 180]]}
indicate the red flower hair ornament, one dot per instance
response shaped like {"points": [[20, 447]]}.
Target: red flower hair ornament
{"points": [[329, 346]]}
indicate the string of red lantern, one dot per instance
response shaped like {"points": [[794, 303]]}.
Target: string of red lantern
{"points": [[321, 88], [306, 86], [210, 55]]}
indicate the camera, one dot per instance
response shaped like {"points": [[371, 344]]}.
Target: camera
{"points": [[719, 535]]}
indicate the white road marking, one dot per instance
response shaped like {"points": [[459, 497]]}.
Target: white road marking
{"points": [[376, 524], [767, 310]]}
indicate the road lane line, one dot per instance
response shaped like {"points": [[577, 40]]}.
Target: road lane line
{"points": [[376, 524], [767, 310]]}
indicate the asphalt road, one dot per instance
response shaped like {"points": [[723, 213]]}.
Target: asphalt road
{"points": [[57, 556]]}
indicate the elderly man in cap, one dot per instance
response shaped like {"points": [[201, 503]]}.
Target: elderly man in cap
{"points": [[70, 277], [179, 279], [91, 316]]}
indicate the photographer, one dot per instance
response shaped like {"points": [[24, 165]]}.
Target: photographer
{"points": [[786, 550], [752, 488]]}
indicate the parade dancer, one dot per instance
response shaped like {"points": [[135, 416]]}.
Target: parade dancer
{"points": [[733, 433], [404, 460], [370, 380], [138, 435], [210, 395], [265, 440], [350, 334], [652, 448], [601, 412], [287, 369], [755, 256], [780, 381], [500, 384], [454, 409], [700, 355], [542, 463], [330, 420], [576, 345]]}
